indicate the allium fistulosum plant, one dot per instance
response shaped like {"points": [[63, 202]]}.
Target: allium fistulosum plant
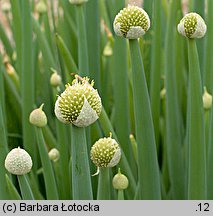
{"points": [[106, 67]]}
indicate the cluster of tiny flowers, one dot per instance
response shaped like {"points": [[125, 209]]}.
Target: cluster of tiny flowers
{"points": [[132, 22], [18, 162], [80, 104], [105, 152], [192, 26]]}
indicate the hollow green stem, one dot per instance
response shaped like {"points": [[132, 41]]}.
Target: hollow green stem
{"points": [[173, 135], [67, 57], [27, 79], [81, 180], [123, 164], [26, 191], [209, 49], [149, 177], [155, 69], [197, 159], [120, 195], [83, 63], [104, 184], [49, 178], [14, 195]]}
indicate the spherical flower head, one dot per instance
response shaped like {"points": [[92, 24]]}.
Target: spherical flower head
{"points": [[120, 181], [54, 154], [77, 2], [18, 162], [105, 153], [132, 22], [80, 104], [55, 80], [38, 117], [192, 25], [207, 100]]}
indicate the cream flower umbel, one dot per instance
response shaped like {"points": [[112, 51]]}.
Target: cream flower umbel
{"points": [[192, 25], [132, 22], [80, 104], [105, 153]]}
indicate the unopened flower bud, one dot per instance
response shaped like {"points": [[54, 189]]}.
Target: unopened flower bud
{"points": [[105, 152], [192, 25], [207, 100], [38, 117], [77, 2], [163, 93], [80, 104], [18, 162], [54, 154], [41, 7], [108, 51], [55, 79], [132, 22], [9, 68], [120, 181]]}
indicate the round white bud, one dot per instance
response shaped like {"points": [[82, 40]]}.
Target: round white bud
{"points": [[18, 162]]}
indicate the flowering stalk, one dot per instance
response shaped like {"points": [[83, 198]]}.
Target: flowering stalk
{"points": [[197, 163], [103, 184], [120, 182], [120, 90], [149, 174], [209, 81], [83, 63], [65, 193], [193, 26], [39, 120], [80, 104], [12, 189], [155, 68], [26, 191], [173, 135], [133, 22], [27, 84], [105, 153], [209, 49], [107, 128], [81, 181], [3, 146]]}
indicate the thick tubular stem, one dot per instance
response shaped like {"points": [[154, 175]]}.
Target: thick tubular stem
{"points": [[209, 81], [173, 135], [26, 191], [209, 49], [104, 184], [155, 69], [49, 178], [83, 63], [27, 84], [81, 180], [197, 159], [123, 164], [120, 195], [148, 169]]}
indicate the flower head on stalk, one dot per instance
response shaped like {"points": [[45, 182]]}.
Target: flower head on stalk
{"points": [[192, 25], [80, 104], [105, 153], [132, 22]]}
